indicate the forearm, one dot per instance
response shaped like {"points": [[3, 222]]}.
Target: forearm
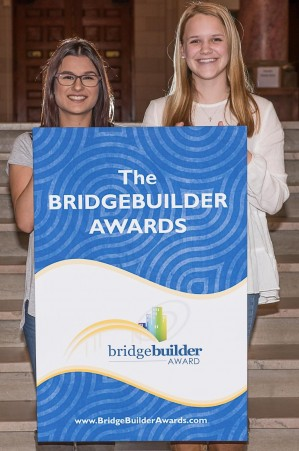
{"points": [[23, 209]]}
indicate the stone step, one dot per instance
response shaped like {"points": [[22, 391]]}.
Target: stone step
{"points": [[11, 286], [10, 309], [286, 308], [273, 413], [12, 265], [291, 155], [272, 383], [3, 175], [14, 360], [17, 441], [17, 387], [10, 334], [13, 244], [290, 208], [273, 357], [7, 225], [285, 243], [6, 207], [276, 223], [292, 168], [273, 440], [291, 135], [17, 416], [294, 189], [289, 284], [276, 331], [4, 189], [288, 263]]}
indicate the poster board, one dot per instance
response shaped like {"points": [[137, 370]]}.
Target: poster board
{"points": [[140, 274]]}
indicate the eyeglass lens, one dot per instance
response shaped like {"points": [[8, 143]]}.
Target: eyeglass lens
{"points": [[89, 80]]}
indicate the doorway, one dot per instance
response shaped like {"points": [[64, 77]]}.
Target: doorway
{"points": [[40, 24]]}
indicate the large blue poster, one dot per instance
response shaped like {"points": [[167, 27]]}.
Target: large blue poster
{"points": [[140, 273]]}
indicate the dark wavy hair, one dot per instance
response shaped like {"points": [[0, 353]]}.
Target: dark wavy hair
{"points": [[102, 113]]}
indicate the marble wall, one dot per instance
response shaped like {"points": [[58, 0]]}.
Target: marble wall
{"points": [[265, 25]]}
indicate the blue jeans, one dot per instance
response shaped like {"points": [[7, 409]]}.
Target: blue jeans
{"points": [[29, 333], [252, 304], [29, 327]]}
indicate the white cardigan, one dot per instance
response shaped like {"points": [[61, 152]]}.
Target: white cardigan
{"points": [[267, 189]]}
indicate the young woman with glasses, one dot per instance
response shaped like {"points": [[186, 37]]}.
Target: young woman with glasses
{"points": [[76, 93]]}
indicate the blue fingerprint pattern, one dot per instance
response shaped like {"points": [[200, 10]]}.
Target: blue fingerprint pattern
{"points": [[209, 257], [73, 407]]}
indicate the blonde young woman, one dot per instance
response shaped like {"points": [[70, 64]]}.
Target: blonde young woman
{"points": [[210, 87]]}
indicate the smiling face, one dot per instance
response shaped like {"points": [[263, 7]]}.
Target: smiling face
{"points": [[205, 48], [76, 102]]}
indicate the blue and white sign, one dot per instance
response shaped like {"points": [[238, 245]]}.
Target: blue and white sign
{"points": [[140, 273]]}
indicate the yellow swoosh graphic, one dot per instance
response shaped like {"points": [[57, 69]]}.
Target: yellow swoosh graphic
{"points": [[105, 325]]}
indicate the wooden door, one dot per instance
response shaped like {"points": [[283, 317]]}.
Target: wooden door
{"points": [[40, 24]]}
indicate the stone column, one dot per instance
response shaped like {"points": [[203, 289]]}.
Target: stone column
{"points": [[265, 49], [265, 24]]}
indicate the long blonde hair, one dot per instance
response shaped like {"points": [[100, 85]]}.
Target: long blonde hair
{"points": [[180, 97]]}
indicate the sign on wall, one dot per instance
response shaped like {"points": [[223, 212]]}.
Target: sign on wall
{"points": [[141, 266]]}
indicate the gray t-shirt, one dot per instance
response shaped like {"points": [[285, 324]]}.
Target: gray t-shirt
{"points": [[22, 155]]}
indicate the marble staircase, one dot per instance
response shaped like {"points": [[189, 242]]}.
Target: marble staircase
{"points": [[273, 354]]}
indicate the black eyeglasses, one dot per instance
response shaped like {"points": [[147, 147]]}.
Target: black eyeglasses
{"points": [[89, 80]]}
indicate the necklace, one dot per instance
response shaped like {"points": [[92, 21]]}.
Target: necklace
{"points": [[211, 116]]}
